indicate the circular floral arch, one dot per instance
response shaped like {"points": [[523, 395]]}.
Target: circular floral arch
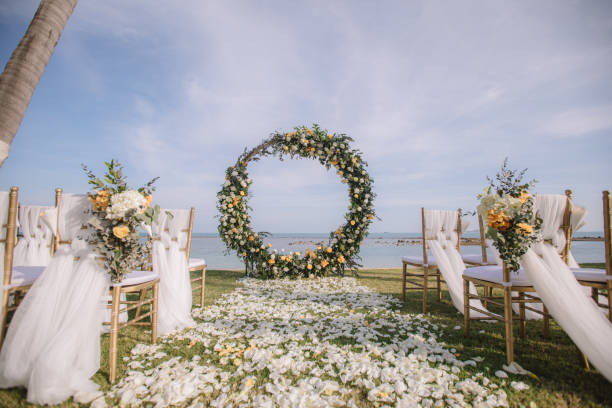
{"points": [[341, 251]]}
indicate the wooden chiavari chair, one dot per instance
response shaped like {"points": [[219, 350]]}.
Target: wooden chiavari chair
{"points": [[500, 278], [135, 282], [195, 264], [598, 279], [17, 279], [420, 281], [484, 258]]}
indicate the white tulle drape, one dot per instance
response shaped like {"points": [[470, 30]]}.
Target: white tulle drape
{"points": [[169, 237], [564, 297], [551, 208], [492, 253], [52, 346], [34, 247], [442, 226], [574, 310]]}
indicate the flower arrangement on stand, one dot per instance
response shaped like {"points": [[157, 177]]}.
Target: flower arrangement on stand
{"points": [[507, 207], [341, 251], [117, 214]]}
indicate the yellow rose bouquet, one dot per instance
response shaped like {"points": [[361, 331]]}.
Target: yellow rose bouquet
{"points": [[117, 214], [507, 207]]}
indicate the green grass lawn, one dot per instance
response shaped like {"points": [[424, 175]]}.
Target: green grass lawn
{"points": [[563, 380]]}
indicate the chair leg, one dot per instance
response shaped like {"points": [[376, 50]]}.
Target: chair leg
{"points": [[485, 291], [466, 307], [4, 316], [404, 282], [114, 329], [508, 322], [141, 299], [585, 360], [595, 295], [439, 287], [203, 288], [425, 283], [154, 313], [522, 322], [546, 318]]}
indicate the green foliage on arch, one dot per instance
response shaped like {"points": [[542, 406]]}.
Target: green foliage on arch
{"points": [[340, 252]]}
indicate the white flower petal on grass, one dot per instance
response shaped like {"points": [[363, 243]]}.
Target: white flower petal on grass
{"points": [[99, 403], [87, 397], [501, 374], [319, 341], [519, 385], [515, 368]]}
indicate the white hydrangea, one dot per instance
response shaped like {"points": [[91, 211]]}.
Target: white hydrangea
{"points": [[123, 202], [506, 203]]}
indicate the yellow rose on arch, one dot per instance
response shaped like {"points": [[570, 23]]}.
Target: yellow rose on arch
{"points": [[121, 231], [340, 252]]}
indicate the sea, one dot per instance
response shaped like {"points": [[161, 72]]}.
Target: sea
{"points": [[378, 250]]}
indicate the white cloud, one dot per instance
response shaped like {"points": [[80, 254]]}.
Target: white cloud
{"points": [[434, 94], [579, 122]]}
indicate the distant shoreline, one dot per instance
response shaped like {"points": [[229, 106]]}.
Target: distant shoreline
{"points": [[417, 240]]}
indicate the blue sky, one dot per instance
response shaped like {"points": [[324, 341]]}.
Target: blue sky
{"points": [[435, 94]]}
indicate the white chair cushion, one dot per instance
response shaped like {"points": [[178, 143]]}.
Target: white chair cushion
{"points": [[418, 260], [477, 259], [25, 275], [193, 262], [136, 278], [493, 273], [472, 258], [590, 274]]}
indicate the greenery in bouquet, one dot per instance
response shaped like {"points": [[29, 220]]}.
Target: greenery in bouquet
{"points": [[333, 257], [507, 207], [117, 214]]}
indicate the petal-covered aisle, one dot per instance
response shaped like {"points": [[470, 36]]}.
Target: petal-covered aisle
{"points": [[309, 343]]}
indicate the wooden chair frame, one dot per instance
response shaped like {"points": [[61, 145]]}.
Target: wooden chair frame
{"points": [[115, 306], [483, 246], [9, 245], [506, 300], [201, 280], [17, 292], [607, 285], [524, 295], [429, 271]]}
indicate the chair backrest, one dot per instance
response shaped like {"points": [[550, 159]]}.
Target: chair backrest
{"points": [[453, 226], [8, 220], [483, 241], [73, 211], [178, 227], [191, 215], [34, 248], [436, 223], [556, 211], [608, 246]]}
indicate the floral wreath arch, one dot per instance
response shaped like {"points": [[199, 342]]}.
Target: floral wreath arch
{"points": [[341, 251]]}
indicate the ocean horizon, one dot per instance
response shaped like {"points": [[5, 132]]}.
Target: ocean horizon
{"points": [[378, 249]]}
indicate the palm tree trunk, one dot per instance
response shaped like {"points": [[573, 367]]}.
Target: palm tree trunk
{"points": [[25, 67]]}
